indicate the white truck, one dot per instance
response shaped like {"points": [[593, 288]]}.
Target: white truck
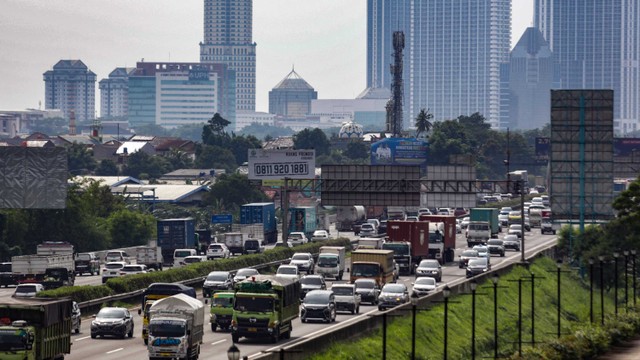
{"points": [[331, 262], [370, 243], [176, 327], [151, 256], [54, 248], [52, 271], [235, 242]]}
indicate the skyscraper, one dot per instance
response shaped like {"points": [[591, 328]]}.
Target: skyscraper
{"points": [[453, 53], [71, 86], [228, 29], [114, 93], [596, 45]]}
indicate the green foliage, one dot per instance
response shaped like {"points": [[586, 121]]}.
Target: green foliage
{"points": [[179, 159], [78, 293], [152, 130], [106, 168], [129, 228], [312, 139], [240, 146], [357, 150], [213, 133], [423, 123], [215, 157], [79, 159], [234, 189], [140, 163]]}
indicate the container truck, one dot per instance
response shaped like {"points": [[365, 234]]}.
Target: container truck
{"points": [[302, 219], [265, 307], [402, 256], [54, 248], [157, 291], [35, 329], [347, 216], [483, 225], [445, 250], [151, 256], [52, 271], [331, 262], [263, 214], [7, 277], [372, 264], [175, 234], [416, 234], [235, 242], [396, 213], [176, 328]]}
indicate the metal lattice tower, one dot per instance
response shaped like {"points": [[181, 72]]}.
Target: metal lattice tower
{"points": [[397, 88]]}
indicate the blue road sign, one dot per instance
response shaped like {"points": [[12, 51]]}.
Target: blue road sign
{"points": [[222, 219]]}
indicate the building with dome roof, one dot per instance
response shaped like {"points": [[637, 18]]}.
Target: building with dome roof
{"points": [[351, 130], [291, 98]]}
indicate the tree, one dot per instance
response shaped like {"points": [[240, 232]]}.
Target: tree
{"points": [[356, 150], [263, 131], [107, 168], [215, 157], [213, 133], [240, 146], [423, 123], [79, 159], [312, 139], [179, 159], [234, 189], [448, 138], [140, 163], [129, 228]]}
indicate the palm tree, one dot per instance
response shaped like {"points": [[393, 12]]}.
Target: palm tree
{"points": [[423, 125]]}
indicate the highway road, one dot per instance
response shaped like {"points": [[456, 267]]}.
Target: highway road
{"points": [[216, 344]]}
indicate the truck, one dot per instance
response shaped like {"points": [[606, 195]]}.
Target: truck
{"points": [[87, 263], [443, 250], [263, 215], [235, 242], [175, 234], [347, 216], [483, 225], [396, 213], [151, 256], [546, 224], [330, 262], [157, 291], [264, 307], [35, 329], [370, 243], [6, 275], [402, 256], [372, 264], [302, 219], [176, 328], [52, 271], [415, 233], [54, 248]]}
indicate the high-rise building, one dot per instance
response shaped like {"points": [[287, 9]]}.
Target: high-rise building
{"points": [[291, 97], [453, 51], [71, 86], [228, 31], [596, 45], [114, 93]]}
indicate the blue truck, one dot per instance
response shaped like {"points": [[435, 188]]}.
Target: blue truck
{"points": [[261, 213], [303, 219], [176, 234]]}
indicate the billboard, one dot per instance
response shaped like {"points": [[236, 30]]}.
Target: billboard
{"points": [[621, 147], [280, 164], [399, 151]]}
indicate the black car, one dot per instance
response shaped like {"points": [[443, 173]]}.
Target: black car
{"points": [[311, 282], [217, 281], [319, 305], [114, 321], [368, 290], [495, 247], [478, 266], [382, 229]]}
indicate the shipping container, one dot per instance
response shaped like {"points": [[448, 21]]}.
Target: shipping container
{"points": [[302, 219], [264, 213], [175, 234]]}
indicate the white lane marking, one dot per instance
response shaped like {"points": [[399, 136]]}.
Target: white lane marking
{"points": [[82, 338], [218, 342], [116, 350]]}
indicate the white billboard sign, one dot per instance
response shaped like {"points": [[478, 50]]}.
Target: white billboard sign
{"points": [[280, 164]]}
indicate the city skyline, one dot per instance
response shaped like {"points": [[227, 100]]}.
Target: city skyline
{"points": [[287, 33]]}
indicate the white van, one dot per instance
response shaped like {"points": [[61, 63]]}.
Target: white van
{"points": [[180, 254]]}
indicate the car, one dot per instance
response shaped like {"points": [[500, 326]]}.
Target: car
{"points": [[320, 235], [444, 211], [506, 209], [368, 290], [368, 229], [483, 250], [375, 222], [217, 281], [396, 270], [347, 299], [114, 321], [382, 229], [527, 224], [133, 269], [304, 262], [457, 212], [546, 226], [27, 290], [244, 273], [515, 229], [392, 295], [430, 268], [503, 218], [297, 238], [311, 282], [281, 243], [511, 242], [465, 222], [253, 246], [477, 267], [496, 246], [288, 271], [318, 305], [87, 263], [116, 256], [76, 320], [217, 251], [533, 191], [545, 200], [526, 206], [465, 256], [192, 259], [424, 285], [112, 270], [458, 227], [412, 218], [424, 211], [537, 201]]}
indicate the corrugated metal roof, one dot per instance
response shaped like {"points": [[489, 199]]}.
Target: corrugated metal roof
{"points": [[131, 146]]}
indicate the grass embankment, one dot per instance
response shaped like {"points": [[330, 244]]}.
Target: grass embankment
{"points": [[578, 340]]}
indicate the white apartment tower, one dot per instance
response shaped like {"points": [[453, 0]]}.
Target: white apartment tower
{"points": [[114, 93]]}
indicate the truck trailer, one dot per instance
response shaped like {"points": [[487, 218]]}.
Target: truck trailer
{"points": [[263, 217], [347, 216], [176, 328], [52, 271], [175, 234], [446, 249], [157, 291], [372, 264]]}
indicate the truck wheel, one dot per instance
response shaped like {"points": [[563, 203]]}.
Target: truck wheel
{"points": [[276, 336], [287, 335], [93, 336]]}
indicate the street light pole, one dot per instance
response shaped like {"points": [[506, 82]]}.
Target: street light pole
{"points": [[520, 317], [559, 266], [446, 292], [626, 280], [591, 289], [633, 258], [414, 303], [495, 279], [384, 336], [533, 311], [601, 259], [474, 286], [615, 280]]}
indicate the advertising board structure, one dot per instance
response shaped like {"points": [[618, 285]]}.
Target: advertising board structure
{"points": [[280, 164], [399, 151]]}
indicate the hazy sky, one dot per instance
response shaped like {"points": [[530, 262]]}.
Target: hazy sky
{"points": [[325, 40]]}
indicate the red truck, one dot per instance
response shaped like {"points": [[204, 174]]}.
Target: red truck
{"points": [[409, 241], [443, 251]]}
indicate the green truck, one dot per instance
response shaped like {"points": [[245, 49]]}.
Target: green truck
{"points": [[483, 225], [264, 307], [35, 329], [221, 311]]}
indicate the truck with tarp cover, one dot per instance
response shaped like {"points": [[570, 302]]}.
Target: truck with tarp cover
{"points": [[176, 328], [264, 307], [372, 264], [35, 329], [157, 291]]}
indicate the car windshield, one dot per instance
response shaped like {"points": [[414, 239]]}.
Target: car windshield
{"points": [[511, 238], [171, 329], [304, 257], [114, 266], [342, 290], [425, 281], [365, 270], [251, 244], [320, 233], [295, 236], [287, 270], [11, 340], [111, 313], [225, 302], [398, 248], [477, 262], [478, 226], [191, 260], [480, 248], [84, 257], [470, 253], [217, 277], [253, 304], [247, 272], [366, 227], [494, 242], [316, 298], [215, 247], [429, 264], [327, 260], [393, 288], [182, 253], [132, 268], [311, 281], [365, 284], [24, 289]]}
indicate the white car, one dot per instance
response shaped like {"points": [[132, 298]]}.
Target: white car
{"points": [[281, 243], [133, 269], [244, 273], [483, 250], [424, 285], [217, 251], [465, 222], [367, 229], [515, 229], [27, 290], [297, 238], [194, 259], [288, 271], [112, 270], [458, 226], [304, 262], [321, 235]]}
